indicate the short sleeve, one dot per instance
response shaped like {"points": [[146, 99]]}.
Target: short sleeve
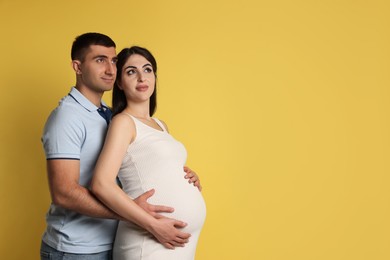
{"points": [[63, 135]]}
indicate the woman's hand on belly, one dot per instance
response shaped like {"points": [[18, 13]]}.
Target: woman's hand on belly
{"points": [[167, 232]]}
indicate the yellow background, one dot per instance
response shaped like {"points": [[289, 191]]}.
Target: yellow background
{"points": [[282, 105]]}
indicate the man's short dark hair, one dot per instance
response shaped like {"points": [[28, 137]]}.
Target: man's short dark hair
{"points": [[82, 43]]}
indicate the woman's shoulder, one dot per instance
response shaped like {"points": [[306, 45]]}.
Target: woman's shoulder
{"points": [[122, 127], [122, 120]]}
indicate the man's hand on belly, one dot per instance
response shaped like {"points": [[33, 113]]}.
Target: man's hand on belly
{"points": [[153, 210]]}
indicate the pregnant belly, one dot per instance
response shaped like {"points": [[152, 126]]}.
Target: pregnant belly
{"points": [[185, 198]]}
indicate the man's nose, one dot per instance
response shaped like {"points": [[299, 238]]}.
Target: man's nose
{"points": [[111, 68]]}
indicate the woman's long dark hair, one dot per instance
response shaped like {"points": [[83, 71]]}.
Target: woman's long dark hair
{"points": [[119, 101]]}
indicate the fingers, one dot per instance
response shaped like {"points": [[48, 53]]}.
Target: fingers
{"points": [[147, 194], [158, 216], [194, 180], [168, 233], [142, 201], [173, 244], [191, 177], [188, 171], [180, 243], [160, 208], [182, 235], [197, 184], [144, 196], [179, 224], [168, 245], [179, 234], [180, 240]]}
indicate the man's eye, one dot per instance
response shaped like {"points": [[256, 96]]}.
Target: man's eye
{"points": [[100, 60]]}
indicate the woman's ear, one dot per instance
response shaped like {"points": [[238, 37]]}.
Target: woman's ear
{"points": [[76, 65]]}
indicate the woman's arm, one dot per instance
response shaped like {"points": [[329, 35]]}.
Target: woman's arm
{"points": [[120, 134]]}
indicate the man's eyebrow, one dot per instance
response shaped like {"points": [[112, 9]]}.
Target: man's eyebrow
{"points": [[100, 56]]}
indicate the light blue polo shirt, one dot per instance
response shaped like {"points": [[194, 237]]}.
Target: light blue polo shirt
{"points": [[76, 131]]}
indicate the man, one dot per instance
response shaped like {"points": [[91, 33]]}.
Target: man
{"points": [[78, 225]]}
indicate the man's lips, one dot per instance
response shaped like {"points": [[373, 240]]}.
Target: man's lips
{"points": [[109, 80]]}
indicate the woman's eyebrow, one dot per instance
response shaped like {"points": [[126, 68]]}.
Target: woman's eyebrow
{"points": [[134, 67], [147, 64]]}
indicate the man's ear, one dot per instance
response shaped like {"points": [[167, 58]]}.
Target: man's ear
{"points": [[76, 65]]}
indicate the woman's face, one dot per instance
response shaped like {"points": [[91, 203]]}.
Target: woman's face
{"points": [[138, 78]]}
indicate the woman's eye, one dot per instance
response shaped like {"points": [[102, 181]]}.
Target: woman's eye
{"points": [[130, 72], [148, 70]]}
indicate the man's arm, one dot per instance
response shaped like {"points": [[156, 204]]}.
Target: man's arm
{"points": [[66, 191]]}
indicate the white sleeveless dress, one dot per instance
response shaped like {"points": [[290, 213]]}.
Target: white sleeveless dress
{"points": [[155, 160]]}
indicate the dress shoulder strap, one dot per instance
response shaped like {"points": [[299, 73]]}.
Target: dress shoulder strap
{"points": [[132, 118], [160, 124], [128, 115]]}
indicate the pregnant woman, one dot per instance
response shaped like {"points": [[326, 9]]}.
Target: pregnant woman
{"points": [[141, 152]]}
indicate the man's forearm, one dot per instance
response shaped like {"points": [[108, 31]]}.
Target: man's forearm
{"points": [[82, 201]]}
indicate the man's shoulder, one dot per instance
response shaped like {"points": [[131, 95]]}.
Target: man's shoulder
{"points": [[67, 113], [67, 107]]}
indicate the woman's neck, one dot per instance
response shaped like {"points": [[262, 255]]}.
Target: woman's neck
{"points": [[138, 111]]}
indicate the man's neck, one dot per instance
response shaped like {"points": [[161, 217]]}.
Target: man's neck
{"points": [[93, 96]]}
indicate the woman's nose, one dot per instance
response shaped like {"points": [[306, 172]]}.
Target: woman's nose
{"points": [[141, 77]]}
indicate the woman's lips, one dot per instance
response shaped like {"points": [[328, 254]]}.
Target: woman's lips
{"points": [[142, 88]]}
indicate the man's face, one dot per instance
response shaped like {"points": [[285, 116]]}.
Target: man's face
{"points": [[98, 69]]}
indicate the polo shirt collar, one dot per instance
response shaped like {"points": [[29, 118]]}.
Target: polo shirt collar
{"points": [[83, 101]]}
